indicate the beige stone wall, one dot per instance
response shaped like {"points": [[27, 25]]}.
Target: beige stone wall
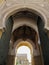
{"points": [[1, 1], [47, 1]]}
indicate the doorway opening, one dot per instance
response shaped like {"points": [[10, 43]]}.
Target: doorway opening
{"points": [[24, 54]]}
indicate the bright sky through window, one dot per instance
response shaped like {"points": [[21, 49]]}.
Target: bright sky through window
{"points": [[24, 50]]}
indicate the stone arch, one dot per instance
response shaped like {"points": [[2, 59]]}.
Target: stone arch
{"points": [[27, 43], [19, 42], [27, 22], [31, 9], [36, 11], [18, 34]]}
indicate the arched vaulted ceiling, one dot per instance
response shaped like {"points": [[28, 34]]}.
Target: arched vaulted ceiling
{"points": [[25, 18], [24, 32]]}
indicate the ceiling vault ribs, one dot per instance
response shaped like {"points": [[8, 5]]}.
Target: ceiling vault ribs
{"points": [[24, 32]]}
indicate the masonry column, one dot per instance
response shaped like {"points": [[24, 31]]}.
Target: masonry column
{"points": [[5, 40], [44, 41]]}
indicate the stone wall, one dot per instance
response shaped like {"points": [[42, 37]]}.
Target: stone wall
{"points": [[38, 60], [10, 60]]}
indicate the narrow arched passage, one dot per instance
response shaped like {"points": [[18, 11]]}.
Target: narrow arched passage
{"points": [[26, 47], [25, 35]]}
